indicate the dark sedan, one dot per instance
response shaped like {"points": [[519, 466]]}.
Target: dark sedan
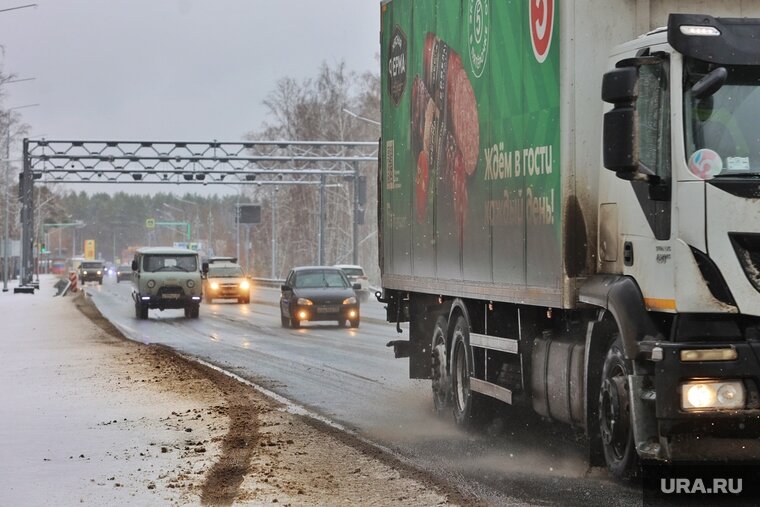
{"points": [[318, 294]]}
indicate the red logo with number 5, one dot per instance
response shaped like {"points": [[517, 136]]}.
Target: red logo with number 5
{"points": [[541, 26]]}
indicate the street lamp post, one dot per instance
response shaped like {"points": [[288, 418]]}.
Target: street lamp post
{"points": [[274, 232], [7, 169], [7, 183]]}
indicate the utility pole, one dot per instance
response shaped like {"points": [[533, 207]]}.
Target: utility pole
{"points": [[7, 198], [237, 223], [355, 234], [274, 232], [322, 219], [247, 249]]}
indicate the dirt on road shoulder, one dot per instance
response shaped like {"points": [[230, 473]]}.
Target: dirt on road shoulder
{"points": [[241, 447]]}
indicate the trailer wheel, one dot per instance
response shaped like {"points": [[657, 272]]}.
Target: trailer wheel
{"points": [[441, 381], [615, 414], [466, 403]]}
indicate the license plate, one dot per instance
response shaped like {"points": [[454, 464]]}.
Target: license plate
{"points": [[170, 296], [327, 309]]}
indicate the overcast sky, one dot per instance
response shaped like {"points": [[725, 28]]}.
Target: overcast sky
{"points": [[172, 69]]}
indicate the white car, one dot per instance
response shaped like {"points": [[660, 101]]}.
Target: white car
{"points": [[356, 274]]}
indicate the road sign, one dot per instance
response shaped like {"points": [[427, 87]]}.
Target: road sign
{"points": [[150, 223], [249, 213], [89, 249]]}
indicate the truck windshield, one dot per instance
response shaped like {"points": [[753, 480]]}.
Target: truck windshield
{"points": [[157, 262], [722, 138]]}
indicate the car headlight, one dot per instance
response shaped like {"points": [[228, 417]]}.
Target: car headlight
{"points": [[214, 286], [190, 284], [84, 272], [349, 301], [304, 302], [245, 285], [151, 284], [712, 395], [99, 272]]}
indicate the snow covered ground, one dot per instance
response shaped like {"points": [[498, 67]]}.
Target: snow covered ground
{"points": [[83, 419], [87, 417]]}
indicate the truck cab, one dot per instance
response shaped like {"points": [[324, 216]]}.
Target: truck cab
{"points": [[678, 217], [166, 278]]}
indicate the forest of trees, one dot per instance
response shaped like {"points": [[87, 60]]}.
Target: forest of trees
{"points": [[323, 108]]}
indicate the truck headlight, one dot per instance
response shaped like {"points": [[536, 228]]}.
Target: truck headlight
{"points": [[245, 285], [151, 284], [190, 284], [349, 301], [712, 395], [100, 272], [304, 302], [214, 286]]}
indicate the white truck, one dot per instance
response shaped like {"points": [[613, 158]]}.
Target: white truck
{"points": [[570, 215]]}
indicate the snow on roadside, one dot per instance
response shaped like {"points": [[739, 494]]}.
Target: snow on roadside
{"points": [[89, 417]]}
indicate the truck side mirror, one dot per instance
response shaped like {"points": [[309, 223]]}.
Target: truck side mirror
{"points": [[620, 145], [285, 288], [204, 268], [134, 266]]}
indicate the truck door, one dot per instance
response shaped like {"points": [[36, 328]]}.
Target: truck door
{"points": [[646, 214]]}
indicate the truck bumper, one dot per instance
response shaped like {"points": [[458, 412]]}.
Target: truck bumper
{"points": [[707, 434], [162, 303]]}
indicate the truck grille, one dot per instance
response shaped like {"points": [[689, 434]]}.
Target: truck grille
{"points": [[747, 247]]}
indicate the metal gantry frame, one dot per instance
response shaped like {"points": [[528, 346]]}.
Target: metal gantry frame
{"points": [[170, 162]]}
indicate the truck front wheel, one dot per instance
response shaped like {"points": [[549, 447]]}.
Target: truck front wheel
{"points": [[441, 381], [141, 311], [615, 414], [192, 311]]}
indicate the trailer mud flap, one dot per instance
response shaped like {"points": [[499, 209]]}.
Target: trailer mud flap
{"points": [[401, 348]]}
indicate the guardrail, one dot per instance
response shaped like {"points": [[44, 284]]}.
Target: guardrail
{"points": [[267, 282]]}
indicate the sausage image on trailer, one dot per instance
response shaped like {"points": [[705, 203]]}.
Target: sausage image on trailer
{"points": [[567, 216]]}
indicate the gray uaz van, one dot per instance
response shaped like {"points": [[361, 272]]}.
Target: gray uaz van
{"points": [[165, 278]]}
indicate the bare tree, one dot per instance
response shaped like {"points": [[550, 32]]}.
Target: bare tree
{"points": [[312, 110]]}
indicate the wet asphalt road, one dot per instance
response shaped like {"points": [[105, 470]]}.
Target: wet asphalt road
{"points": [[350, 376]]}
